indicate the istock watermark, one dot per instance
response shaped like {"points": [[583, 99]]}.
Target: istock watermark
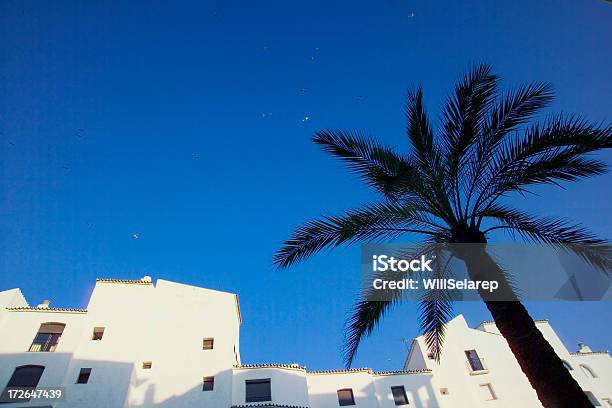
{"points": [[382, 263], [502, 272]]}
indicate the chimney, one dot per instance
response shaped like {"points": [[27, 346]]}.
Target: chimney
{"points": [[583, 348], [44, 304]]}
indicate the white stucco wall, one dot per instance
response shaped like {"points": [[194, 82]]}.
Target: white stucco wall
{"points": [[165, 323]]}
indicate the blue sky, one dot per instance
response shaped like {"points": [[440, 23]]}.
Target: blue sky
{"points": [[155, 84]]}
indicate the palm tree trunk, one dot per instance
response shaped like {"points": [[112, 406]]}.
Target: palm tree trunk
{"points": [[553, 383]]}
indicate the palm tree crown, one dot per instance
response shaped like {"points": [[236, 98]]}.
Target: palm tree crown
{"points": [[448, 186]]}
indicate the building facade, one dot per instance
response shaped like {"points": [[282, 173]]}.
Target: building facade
{"points": [[171, 345]]}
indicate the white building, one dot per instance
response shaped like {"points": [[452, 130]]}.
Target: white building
{"points": [[173, 345]]}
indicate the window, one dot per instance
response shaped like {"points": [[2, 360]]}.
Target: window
{"points": [[588, 371], [208, 384], [47, 337], [24, 376], [592, 398], [399, 395], [567, 365], [98, 332], [444, 391], [208, 343], [84, 376], [345, 397], [146, 365], [476, 363], [487, 393], [258, 390]]}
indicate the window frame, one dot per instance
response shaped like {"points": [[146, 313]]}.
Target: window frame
{"points": [[402, 390], [13, 383], [208, 381], [256, 398], [491, 390], [95, 331], [345, 403], [208, 343], [85, 374], [47, 337], [475, 362]]}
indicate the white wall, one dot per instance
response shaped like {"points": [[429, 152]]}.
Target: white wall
{"points": [[165, 323]]}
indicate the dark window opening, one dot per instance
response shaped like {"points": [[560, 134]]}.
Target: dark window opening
{"points": [[208, 343], [146, 365], [26, 376], [258, 390], [208, 384], [84, 376], [399, 395], [47, 337], [476, 363], [345, 397]]}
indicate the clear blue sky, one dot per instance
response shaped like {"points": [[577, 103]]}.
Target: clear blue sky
{"points": [[154, 84]]}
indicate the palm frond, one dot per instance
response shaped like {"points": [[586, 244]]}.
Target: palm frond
{"points": [[463, 119], [427, 154], [549, 230], [364, 318], [370, 309], [420, 133], [371, 222], [548, 153], [379, 166], [515, 108], [435, 310]]}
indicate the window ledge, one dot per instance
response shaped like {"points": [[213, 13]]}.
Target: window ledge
{"points": [[479, 372]]}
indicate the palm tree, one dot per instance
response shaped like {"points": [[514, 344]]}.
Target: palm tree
{"points": [[448, 188]]}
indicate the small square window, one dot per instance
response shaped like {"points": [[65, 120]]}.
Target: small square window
{"points": [[444, 391], [146, 365], [208, 343], [84, 376], [399, 395], [345, 397], [208, 384], [98, 332]]}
